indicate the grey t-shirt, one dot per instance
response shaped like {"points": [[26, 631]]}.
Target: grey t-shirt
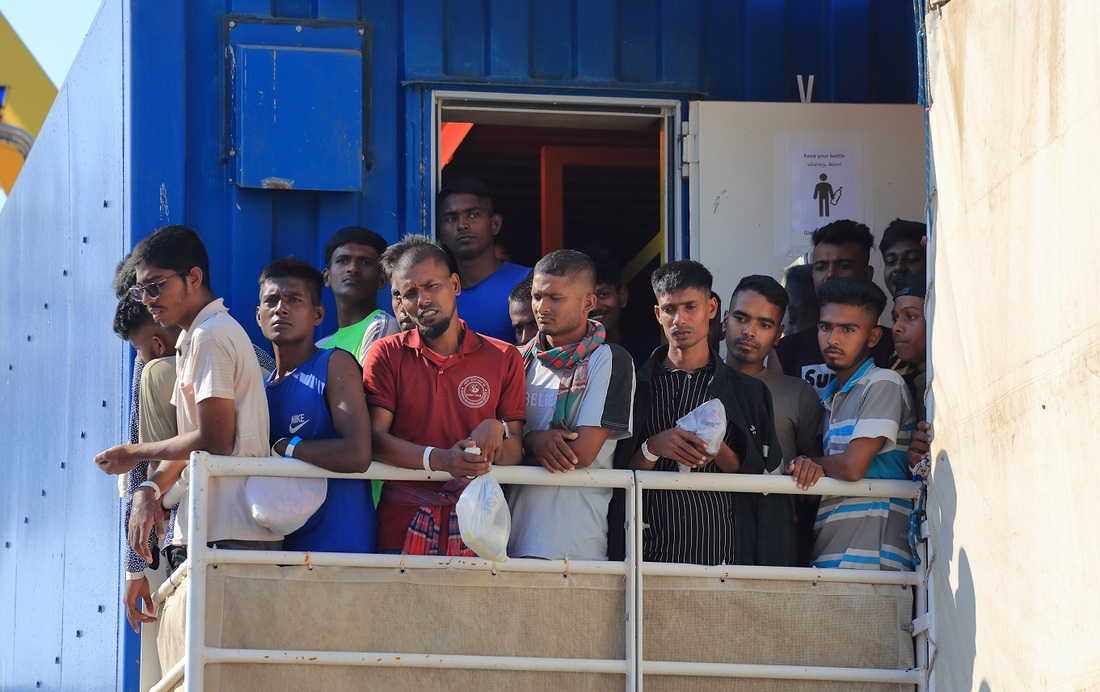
{"points": [[798, 415]]}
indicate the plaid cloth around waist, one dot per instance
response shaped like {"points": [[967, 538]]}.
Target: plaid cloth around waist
{"points": [[423, 536]]}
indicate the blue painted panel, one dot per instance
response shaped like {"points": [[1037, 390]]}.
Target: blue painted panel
{"points": [[596, 56], [552, 40], [510, 52], [465, 38], [678, 36], [294, 131], [423, 45], [637, 40]]}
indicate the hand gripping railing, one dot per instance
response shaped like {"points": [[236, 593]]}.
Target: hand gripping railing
{"points": [[204, 466]]}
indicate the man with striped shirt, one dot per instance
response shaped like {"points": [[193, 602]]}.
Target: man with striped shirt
{"points": [[869, 423], [702, 527]]}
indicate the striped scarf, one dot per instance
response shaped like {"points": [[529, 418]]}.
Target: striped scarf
{"points": [[573, 360]]}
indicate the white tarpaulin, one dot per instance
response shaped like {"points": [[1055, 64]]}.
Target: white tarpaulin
{"points": [[1015, 500]]}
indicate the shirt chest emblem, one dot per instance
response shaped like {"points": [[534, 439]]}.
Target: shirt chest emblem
{"points": [[473, 391]]}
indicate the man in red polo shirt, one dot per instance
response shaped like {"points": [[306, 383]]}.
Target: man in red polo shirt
{"points": [[434, 392]]}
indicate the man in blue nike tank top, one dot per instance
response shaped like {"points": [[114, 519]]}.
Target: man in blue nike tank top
{"points": [[318, 408]]}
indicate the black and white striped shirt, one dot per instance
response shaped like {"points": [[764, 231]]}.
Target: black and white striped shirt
{"points": [[689, 526]]}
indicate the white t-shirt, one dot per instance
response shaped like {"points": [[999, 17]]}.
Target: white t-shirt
{"points": [[216, 360], [556, 523]]}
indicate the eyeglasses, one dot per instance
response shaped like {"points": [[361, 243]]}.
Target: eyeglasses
{"points": [[152, 289]]}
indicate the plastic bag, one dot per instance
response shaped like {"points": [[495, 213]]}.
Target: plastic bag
{"points": [[483, 518], [284, 505], [708, 422]]}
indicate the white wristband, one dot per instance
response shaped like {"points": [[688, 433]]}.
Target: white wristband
{"points": [[428, 458], [134, 576], [156, 489], [650, 456]]}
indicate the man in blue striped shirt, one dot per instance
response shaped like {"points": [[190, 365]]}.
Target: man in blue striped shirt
{"points": [[869, 423]]}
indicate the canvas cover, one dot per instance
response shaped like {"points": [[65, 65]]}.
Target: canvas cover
{"points": [[538, 615], [1015, 134]]}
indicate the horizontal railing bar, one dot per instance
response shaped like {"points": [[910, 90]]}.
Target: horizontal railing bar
{"points": [[601, 478], [514, 475], [172, 582], [173, 676], [285, 558], [410, 660], [776, 672], [771, 483], [761, 572]]}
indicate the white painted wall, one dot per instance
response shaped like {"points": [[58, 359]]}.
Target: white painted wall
{"points": [[742, 195]]}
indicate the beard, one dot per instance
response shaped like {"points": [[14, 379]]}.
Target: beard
{"points": [[434, 331]]}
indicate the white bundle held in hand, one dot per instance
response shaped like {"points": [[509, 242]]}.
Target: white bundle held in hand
{"points": [[708, 422], [483, 518]]}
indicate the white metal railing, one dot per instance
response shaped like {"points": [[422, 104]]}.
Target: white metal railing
{"points": [[191, 668]]}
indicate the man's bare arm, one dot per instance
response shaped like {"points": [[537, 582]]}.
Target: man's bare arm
{"points": [[489, 437], [347, 402], [561, 450], [394, 451], [850, 465], [217, 429]]}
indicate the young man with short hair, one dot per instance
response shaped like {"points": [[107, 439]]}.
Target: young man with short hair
{"points": [[753, 325], [611, 295], [520, 312], [318, 408], [842, 249], [352, 272], [909, 332], [580, 398], [702, 527], [219, 398], [434, 392], [869, 422], [903, 253], [156, 352], [468, 226]]}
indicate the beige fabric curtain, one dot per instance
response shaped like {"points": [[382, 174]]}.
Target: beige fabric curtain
{"points": [[1015, 134]]}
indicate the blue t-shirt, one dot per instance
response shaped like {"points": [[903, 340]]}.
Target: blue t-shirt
{"points": [[485, 306], [345, 523]]}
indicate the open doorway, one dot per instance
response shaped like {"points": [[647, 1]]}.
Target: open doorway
{"points": [[582, 175]]}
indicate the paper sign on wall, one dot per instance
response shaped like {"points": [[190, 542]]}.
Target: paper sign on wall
{"points": [[823, 189]]}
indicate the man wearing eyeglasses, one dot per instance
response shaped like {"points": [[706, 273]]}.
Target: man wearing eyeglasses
{"points": [[219, 397]]}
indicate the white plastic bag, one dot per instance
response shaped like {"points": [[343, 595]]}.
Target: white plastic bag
{"points": [[284, 505], [483, 518], [708, 422]]}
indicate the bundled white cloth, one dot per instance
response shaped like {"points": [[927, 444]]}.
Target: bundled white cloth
{"points": [[708, 422]]}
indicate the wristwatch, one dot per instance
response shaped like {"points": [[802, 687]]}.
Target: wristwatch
{"points": [[506, 433], [650, 456]]}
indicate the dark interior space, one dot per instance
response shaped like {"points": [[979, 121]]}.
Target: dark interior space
{"points": [[616, 207]]}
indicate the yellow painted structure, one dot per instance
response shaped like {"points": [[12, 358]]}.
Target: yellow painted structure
{"points": [[29, 95]]}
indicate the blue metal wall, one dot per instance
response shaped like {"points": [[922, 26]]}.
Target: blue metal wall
{"points": [[63, 375], [859, 50], [87, 195]]}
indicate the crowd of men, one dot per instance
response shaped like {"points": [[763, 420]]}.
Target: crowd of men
{"points": [[484, 362]]}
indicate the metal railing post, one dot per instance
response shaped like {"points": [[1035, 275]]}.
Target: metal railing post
{"points": [[199, 556]]}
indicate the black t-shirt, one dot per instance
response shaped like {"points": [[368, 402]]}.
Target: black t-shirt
{"points": [[800, 356]]}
